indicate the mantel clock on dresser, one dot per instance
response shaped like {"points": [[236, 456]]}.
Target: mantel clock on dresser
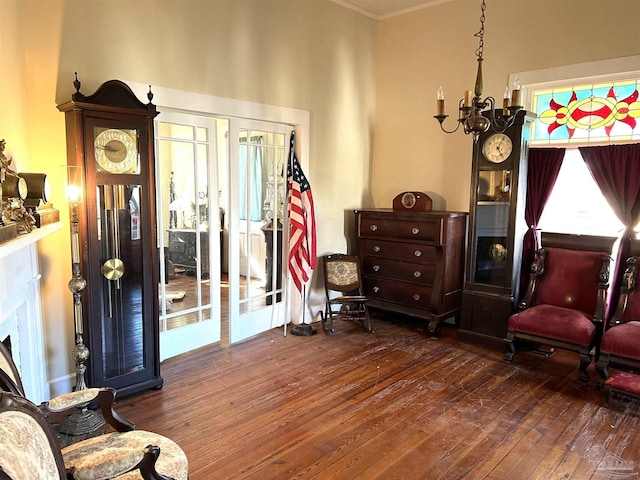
{"points": [[496, 228], [110, 135]]}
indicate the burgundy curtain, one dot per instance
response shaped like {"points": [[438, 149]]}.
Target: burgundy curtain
{"points": [[616, 170], [544, 166]]}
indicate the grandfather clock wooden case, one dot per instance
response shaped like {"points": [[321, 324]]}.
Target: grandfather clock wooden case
{"points": [[110, 135], [496, 229]]}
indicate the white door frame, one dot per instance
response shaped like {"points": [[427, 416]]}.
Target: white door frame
{"points": [[204, 332], [209, 105]]}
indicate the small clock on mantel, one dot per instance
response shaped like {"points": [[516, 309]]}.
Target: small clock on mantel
{"points": [[412, 202], [110, 135]]}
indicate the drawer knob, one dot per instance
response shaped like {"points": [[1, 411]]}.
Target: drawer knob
{"points": [[417, 274], [376, 289], [376, 268], [415, 230], [373, 227], [376, 248], [416, 297], [418, 253]]}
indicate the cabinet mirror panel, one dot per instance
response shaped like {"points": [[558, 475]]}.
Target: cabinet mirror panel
{"points": [[494, 185]]}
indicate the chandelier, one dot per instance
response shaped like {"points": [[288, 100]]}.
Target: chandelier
{"points": [[471, 107]]}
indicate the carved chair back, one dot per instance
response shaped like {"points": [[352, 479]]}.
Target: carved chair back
{"points": [[342, 273], [571, 279]]}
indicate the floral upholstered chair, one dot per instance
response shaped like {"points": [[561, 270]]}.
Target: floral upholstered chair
{"points": [[620, 346], [343, 288], [564, 305], [29, 450]]}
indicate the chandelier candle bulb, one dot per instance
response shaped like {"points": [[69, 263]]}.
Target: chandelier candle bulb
{"points": [[506, 101], [468, 98], [440, 102], [515, 93]]}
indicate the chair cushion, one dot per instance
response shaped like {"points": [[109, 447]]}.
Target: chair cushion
{"points": [[628, 382], [172, 461], [570, 279], [558, 323], [623, 340]]}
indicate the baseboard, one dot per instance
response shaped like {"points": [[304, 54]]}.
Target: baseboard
{"points": [[481, 338], [61, 385]]}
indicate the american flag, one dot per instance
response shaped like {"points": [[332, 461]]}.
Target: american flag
{"points": [[302, 222]]}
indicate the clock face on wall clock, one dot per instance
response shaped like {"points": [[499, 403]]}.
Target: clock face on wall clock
{"points": [[497, 148], [116, 150]]}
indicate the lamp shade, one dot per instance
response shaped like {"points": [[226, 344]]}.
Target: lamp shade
{"points": [[38, 188]]}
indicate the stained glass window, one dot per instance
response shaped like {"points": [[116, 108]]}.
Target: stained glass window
{"points": [[606, 112]]}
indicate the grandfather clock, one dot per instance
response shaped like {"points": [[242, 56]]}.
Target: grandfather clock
{"points": [[110, 136], [496, 229]]}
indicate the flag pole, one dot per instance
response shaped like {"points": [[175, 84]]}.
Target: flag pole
{"points": [[304, 329]]}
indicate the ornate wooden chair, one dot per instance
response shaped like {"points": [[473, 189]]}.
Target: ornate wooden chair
{"points": [[343, 288], [565, 301], [55, 408], [620, 346], [29, 450]]}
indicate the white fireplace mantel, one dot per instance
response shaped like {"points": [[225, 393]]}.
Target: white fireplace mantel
{"points": [[21, 311]]}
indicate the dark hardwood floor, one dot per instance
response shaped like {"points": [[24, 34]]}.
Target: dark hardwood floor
{"points": [[391, 405]]}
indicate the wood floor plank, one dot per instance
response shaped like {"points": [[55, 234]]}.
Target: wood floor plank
{"points": [[392, 405]]}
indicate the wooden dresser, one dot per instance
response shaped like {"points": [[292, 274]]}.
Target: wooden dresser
{"points": [[413, 262]]}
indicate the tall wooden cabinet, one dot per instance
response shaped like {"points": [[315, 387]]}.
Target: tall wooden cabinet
{"points": [[412, 262], [496, 229]]}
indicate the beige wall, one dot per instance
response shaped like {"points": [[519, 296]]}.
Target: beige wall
{"points": [[419, 51], [306, 54]]}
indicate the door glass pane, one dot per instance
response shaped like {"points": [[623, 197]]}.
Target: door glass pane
{"points": [[262, 191], [183, 171]]}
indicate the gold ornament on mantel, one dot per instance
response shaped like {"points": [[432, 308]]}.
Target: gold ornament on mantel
{"points": [[13, 191], [8, 229]]}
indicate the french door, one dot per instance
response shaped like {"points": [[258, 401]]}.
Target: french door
{"points": [[257, 175], [190, 225]]}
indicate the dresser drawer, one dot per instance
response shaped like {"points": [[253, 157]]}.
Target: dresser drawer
{"points": [[412, 295], [426, 230], [393, 269], [415, 253]]}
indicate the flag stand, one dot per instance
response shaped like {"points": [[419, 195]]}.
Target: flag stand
{"points": [[304, 329]]}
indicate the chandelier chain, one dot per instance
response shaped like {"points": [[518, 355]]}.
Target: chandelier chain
{"points": [[480, 33]]}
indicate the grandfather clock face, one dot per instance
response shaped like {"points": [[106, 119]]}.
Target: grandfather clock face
{"points": [[116, 150]]}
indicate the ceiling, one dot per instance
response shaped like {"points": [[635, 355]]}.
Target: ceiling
{"points": [[379, 9]]}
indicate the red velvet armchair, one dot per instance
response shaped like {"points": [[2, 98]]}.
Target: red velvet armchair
{"points": [[564, 305], [620, 344]]}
